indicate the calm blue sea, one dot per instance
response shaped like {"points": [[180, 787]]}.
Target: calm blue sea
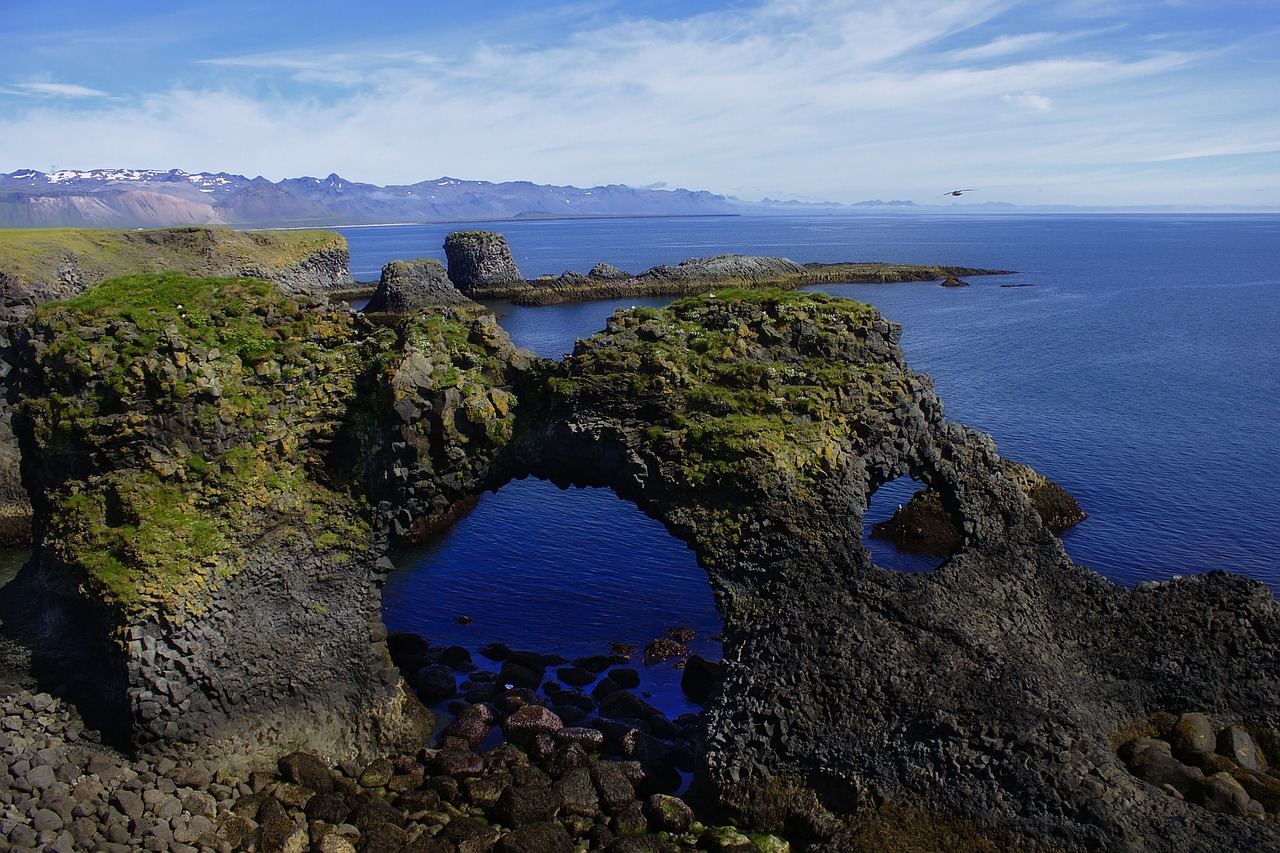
{"points": [[1141, 371]]}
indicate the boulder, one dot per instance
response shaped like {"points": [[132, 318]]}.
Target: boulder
{"points": [[407, 286], [434, 683], [529, 721], [542, 837], [1222, 794], [1152, 761], [700, 678], [668, 814], [1193, 733]]}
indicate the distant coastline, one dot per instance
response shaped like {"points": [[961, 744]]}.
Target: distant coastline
{"points": [[150, 198]]}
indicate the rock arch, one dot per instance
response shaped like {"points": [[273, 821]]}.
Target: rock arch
{"points": [[753, 424]]}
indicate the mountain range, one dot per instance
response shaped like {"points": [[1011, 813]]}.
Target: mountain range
{"points": [[132, 198]]}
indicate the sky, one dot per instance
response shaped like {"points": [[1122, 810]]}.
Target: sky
{"points": [[1083, 102]]}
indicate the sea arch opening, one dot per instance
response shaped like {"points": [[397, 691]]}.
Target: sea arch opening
{"points": [[906, 528], [565, 573]]}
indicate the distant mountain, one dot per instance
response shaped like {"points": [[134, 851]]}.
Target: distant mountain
{"points": [[149, 198], [132, 198]]}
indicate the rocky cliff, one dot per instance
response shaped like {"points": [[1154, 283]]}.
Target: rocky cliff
{"points": [[218, 470], [757, 426], [37, 266], [187, 448]]}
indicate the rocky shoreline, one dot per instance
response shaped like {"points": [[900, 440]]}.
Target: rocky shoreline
{"points": [[511, 770], [218, 468], [480, 265]]}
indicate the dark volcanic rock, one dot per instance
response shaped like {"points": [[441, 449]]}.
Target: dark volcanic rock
{"points": [[608, 272], [408, 286], [700, 678], [481, 260], [925, 526], [755, 426]]}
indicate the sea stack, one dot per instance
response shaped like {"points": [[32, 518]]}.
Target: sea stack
{"points": [[480, 259]]}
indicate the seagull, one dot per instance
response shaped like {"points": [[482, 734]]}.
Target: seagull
{"points": [[956, 192]]}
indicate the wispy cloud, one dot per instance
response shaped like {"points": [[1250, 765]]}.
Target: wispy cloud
{"points": [[58, 90], [1029, 102], [843, 100]]}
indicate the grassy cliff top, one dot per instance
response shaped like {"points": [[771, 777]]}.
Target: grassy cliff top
{"points": [[37, 254], [169, 423], [742, 382], [170, 415]]}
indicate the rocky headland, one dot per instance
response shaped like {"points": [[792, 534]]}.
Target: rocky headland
{"points": [[40, 265], [217, 467]]}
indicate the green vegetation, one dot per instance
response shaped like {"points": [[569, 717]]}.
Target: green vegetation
{"points": [[41, 255], [739, 382], [182, 419], [198, 401]]}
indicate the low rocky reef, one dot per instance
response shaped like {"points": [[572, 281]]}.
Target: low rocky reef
{"points": [[482, 268], [218, 467]]}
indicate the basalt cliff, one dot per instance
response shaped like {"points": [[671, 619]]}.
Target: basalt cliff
{"points": [[39, 265], [218, 466]]}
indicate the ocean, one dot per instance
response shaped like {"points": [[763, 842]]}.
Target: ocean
{"points": [[1137, 364]]}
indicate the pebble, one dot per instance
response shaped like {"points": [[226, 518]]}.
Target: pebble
{"points": [[62, 790]]}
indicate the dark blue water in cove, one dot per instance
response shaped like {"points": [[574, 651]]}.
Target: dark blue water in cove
{"points": [[1140, 372]]}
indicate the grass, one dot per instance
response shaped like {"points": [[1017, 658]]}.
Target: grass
{"points": [[37, 255]]}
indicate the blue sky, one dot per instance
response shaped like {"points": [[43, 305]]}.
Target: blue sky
{"points": [[1107, 102]]}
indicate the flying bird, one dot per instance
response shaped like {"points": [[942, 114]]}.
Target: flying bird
{"points": [[956, 192]]}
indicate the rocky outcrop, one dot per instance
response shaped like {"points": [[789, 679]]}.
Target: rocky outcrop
{"points": [[756, 426], [481, 262], [38, 266], [924, 526], [448, 412], [407, 286], [990, 694], [203, 571]]}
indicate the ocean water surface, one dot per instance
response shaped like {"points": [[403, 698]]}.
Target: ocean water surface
{"points": [[1140, 369]]}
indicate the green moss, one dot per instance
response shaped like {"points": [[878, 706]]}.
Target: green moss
{"points": [[182, 386], [708, 370], [36, 255]]}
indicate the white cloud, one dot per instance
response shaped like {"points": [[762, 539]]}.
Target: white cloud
{"points": [[1004, 46], [60, 90], [1029, 102], [839, 100]]}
